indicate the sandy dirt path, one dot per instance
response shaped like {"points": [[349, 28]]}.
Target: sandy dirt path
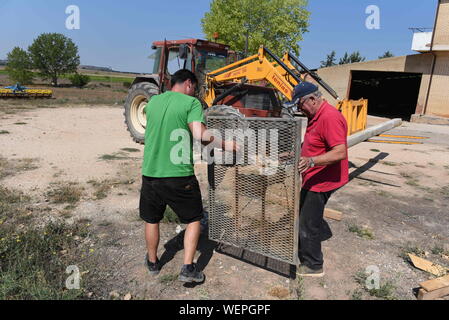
{"points": [[397, 191]]}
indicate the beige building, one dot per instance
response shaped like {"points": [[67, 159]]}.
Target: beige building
{"points": [[412, 87]]}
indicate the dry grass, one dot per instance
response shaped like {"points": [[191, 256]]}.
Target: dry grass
{"points": [[96, 93], [386, 290], [65, 192], [115, 156], [410, 248], [361, 232], [16, 166], [34, 259], [103, 187]]}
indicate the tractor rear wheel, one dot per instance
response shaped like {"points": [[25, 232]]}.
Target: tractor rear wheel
{"points": [[135, 117]]}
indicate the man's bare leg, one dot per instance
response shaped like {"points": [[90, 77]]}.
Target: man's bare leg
{"points": [[191, 241], [152, 239]]}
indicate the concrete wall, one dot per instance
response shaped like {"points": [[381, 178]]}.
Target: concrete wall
{"points": [[441, 41], [438, 104]]}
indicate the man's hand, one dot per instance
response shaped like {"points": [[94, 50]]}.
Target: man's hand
{"points": [[304, 164], [230, 146]]}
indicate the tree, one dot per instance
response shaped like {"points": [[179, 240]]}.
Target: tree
{"points": [[79, 80], [387, 54], [330, 60], [352, 58], [245, 25], [19, 66], [54, 54]]}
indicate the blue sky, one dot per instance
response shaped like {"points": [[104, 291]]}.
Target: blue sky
{"points": [[118, 34]]}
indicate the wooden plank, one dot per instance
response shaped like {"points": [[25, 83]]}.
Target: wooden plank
{"points": [[333, 214], [428, 266], [435, 284], [432, 295]]}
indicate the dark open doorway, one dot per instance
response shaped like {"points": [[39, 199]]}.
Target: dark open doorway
{"points": [[389, 94]]}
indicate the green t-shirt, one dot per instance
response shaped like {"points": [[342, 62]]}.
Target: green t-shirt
{"points": [[168, 140]]}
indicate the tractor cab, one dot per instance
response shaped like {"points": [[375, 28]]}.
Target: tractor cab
{"points": [[198, 56]]}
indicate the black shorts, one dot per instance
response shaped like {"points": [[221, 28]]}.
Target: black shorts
{"points": [[182, 194]]}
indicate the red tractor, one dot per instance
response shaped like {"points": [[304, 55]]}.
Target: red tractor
{"points": [[201, 57]]}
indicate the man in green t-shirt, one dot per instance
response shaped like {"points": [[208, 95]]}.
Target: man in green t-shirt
{"points": [[174, 119]]}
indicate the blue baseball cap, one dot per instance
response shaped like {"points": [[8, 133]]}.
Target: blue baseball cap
{"points": [[303, 89]]}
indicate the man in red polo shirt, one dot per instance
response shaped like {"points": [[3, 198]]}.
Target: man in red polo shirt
{"points": [[324, 168]]}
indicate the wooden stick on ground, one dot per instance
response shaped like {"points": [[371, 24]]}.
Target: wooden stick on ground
{"points": [[333, 214]]}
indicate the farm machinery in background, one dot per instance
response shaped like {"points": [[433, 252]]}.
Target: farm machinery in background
{"points": [[258, 86], [18, 91]]}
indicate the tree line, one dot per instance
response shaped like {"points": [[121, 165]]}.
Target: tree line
{"points": [[331, 59], [51, 55]]}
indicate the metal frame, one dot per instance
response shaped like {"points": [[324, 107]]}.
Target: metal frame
{"points": [[254, 227]]}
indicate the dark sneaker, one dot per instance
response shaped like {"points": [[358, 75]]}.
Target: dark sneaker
{"points": [[305, 271], [153, 268], [190, 273]]}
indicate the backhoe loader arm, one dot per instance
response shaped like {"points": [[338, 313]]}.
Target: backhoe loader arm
{"points": [[288, 58], [253, 69]]}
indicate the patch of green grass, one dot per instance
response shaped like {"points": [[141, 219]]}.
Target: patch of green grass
{"points": [[375, 150], [388, 163], [438, 250], [65, 193], [34, 262], [361, 232], [12, 205], [130, 150], [4, 132], [412, 182], [168, 278], [410, 248], [203, 294], [406, 175], [170, 216], [383, 194], [385, 291], [102, 188], [115, 156], [445, 191], [109, 79], [300, 288], [357, 295]]}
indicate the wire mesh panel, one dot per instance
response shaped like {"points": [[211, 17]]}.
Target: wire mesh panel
{"points": [[254, 195]]}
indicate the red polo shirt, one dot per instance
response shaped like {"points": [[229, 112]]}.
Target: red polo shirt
{"points": [[327, 129]]}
